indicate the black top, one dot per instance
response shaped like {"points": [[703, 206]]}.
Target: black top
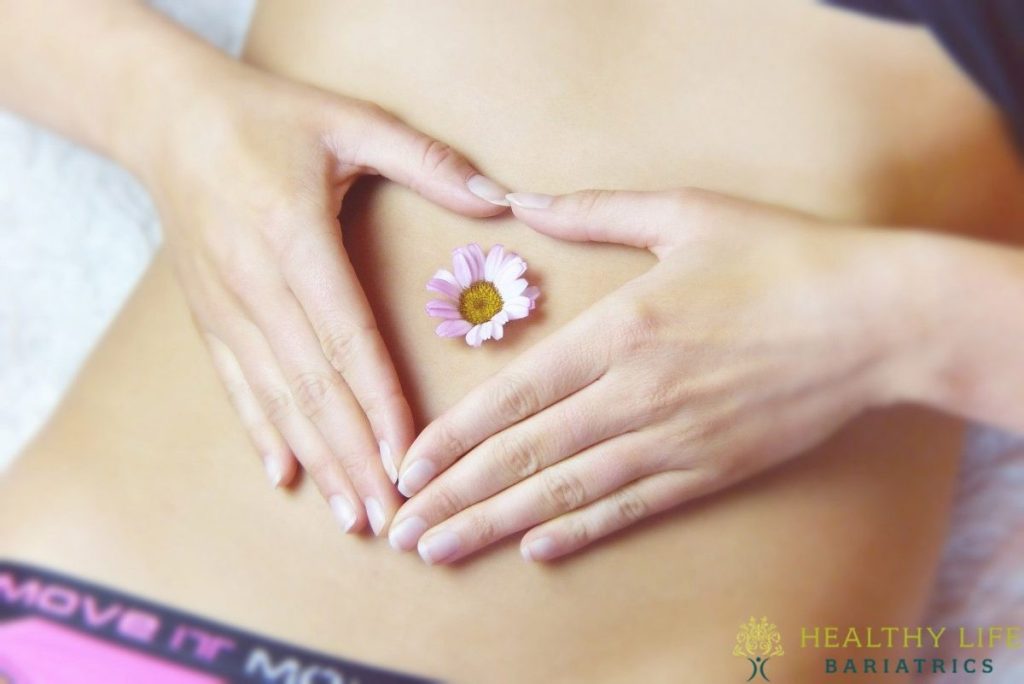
{"points": [[985, 37]]}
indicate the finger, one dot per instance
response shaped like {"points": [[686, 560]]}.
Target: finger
{"points": [[278, 460], [649, 220], [565, 362], [627, 506], [319, 273], [431, 168], [263, 375], [566, 428], [323, 397], [564, 487]]}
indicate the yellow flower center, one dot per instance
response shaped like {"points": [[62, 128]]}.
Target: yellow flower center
{"points": [[479, 302]]}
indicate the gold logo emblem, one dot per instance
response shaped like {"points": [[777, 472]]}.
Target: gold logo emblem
{"points": [[758, 642]]}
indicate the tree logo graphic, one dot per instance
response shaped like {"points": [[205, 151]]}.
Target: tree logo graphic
{"points": [[758, 642]]}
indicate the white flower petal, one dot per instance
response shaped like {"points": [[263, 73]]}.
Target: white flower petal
{"points": [[512, 290], [473, 337], [476, 261], [463, 273], [518, 308], [445, 274], [442, 286], [485, 330], [453, 328], [443, 308], [498, 329], [510, 271], [493, 262]]}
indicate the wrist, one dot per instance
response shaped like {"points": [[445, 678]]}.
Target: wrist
{"points": [[173, 79], [891, 289], [912, 273], [969, 297]]}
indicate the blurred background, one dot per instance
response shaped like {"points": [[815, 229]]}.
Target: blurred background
{"points": [[76, 233]]}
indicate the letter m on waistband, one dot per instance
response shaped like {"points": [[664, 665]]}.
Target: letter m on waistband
{"points": [[11, 592]]}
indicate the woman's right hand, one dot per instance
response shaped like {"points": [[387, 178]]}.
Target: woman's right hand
{"points": [[248, 179]]}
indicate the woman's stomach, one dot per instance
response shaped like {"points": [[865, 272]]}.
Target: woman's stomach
{"points": [[145, 481], [789, 103]]}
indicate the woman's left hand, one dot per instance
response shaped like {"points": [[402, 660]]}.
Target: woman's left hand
{"points": [[757, 334]]}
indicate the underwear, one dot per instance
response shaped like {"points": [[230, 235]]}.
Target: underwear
{"points": [[58, 630]]}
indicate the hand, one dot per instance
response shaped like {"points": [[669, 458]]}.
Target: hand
{"points": [[757, 334], [249, 181]]}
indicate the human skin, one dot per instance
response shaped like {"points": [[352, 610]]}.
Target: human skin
{"points": [[758, 334], [261, 258], [143, 479]]}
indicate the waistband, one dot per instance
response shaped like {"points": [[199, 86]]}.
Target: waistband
{"points": [[56, 629]]}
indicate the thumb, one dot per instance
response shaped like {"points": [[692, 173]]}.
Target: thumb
{"points": [[640, 219], [383, 143]]}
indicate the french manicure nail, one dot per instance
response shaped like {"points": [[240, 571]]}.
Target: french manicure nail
{"points": [[438, 547], [375, 512], [486, 189], [415, 477], [530, 200], [343, 511], [388, 460], [273, 468], [539, 549], [404, 535]]}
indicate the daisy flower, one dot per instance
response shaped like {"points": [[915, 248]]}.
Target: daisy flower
{"points": [[481, 294]]}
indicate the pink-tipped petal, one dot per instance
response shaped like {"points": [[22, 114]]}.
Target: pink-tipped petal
{"points": [[463, 273], [476, 261], [493, 262], [474, 337], [456, 328], [499, 266], [445, 288], [442, 308]]}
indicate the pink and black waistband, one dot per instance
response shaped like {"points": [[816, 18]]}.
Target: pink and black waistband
{"points": [[56, 629]]}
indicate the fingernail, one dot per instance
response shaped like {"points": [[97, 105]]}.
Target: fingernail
{"points": [[415, 477], [539, 549], [530, 200], [439, 547], [273, 468], [375, 512], [343, 511], [388, 460], [404, 535], [484, 188]]}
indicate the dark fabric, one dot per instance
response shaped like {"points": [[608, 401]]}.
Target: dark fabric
{"points": [[985, 37], [162, 634]]}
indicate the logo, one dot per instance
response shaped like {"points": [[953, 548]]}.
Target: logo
{"points": [[758, 642]]}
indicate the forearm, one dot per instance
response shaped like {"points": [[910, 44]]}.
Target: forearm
{"points": [[106, 73], [969, 297]]}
